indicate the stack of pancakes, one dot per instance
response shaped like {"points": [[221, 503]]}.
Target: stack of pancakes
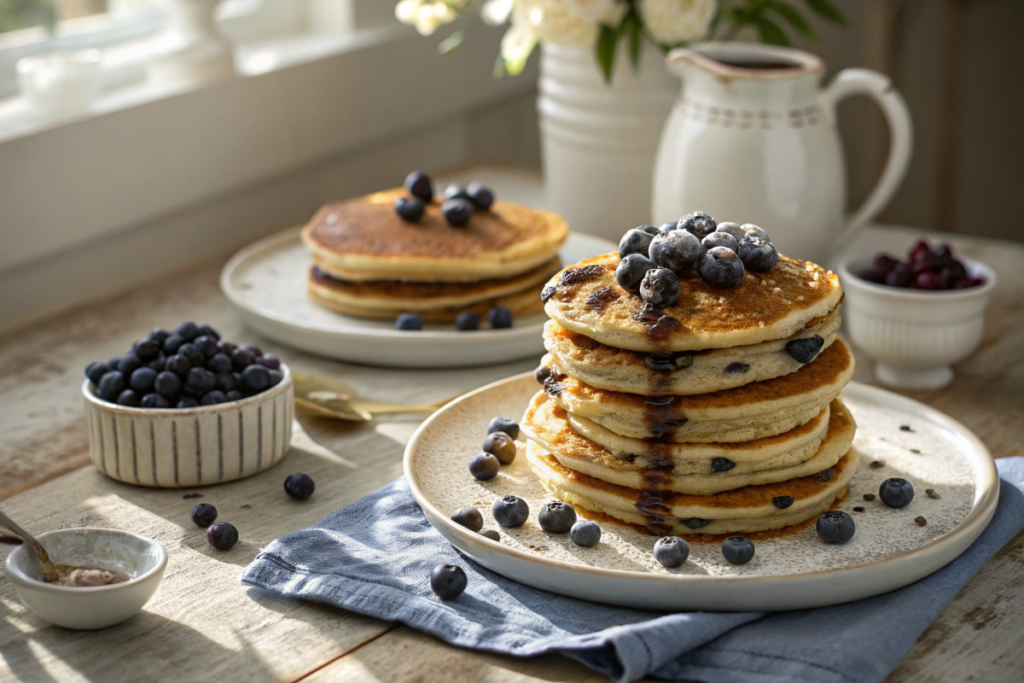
{"points": [[369, 262], [709, 417]]}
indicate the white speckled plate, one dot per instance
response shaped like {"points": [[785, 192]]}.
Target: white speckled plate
{"points": [[798, 571], [266, 282]]}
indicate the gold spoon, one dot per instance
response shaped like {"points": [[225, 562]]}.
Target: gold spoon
{"points": [[330, 397], [49, 571]]}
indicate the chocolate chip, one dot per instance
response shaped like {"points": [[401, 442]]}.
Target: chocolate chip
{"points": [[932, 494], [921, 521], [905, 428], [877, 464], [869, 496], [859, 509], [783, 502]]}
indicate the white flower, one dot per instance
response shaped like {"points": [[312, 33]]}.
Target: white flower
{"points": [[496, 12], [427, 15], [552, 22], [609, 12], [671, 22], [516, 46]]}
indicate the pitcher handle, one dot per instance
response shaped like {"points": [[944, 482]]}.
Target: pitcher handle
{"points": [[901, 133]]}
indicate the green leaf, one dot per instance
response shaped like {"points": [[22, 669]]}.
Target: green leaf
{"points": [[500, 68], [452, 42], [794, 18], [634, 29], [770, 32], [606, 50], [827, 10]]}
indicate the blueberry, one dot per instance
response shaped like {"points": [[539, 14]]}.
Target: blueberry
{"points": [[805, 350], [695, 522], [720, 268], [719, 239], [722, 465], [129, 399], [835, 526], [826, 475], [469, 517], [179, 365], [484, 466], [222, 536], [455, 191], [275, 377], [896, 492], [130, 362], [410, 209], [447, 581], [204, 515], [253, 350], [500, 318], [635, 241], [660, 362], [751, 229], [542, 373], [113, 363], [299, 486], [269, 361], [679, 251], [660, 288], [147, 348], [208, 331], [219, 363], [457, 212], [206, 345], [668, 227], [585, 533], [556, 517], [783, 502], [510, 511], [418, 185], [409, 322], [186, 402], [154, 400], [233, 395], [225, 381], [501, 446], [255, 379], [167, 384], [503, 424], [548, 292], [733, 229], [466, 321], [737, 550], [698, 223], [110, 386], [212, 398], [899, 276], [481, 196], [649, 229], [201, 380], [187, 331], [241, 359], [160, 335], [736, 368], [94, 371], [491, 534], [226, 347], [194, 355], [159, 363], [631, 270], [671, 551], [758, 255]]}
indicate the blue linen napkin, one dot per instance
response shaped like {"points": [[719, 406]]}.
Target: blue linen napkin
{"points": [[374, 557]]}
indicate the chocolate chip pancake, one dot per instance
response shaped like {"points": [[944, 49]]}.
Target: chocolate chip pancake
{"points": [[751, 411], [585, 298], [364, 239]]}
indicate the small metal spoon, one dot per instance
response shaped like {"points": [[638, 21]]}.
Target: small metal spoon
{"points": [[49, 571], [330, 397]]}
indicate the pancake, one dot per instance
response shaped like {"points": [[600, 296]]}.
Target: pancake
{"points": [[694, 372], [744, 510], [549, 427], [792, 297], [752, 411], [364, 239]]}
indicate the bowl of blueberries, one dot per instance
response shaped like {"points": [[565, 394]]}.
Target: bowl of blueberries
{"points": [[187, 408], [916, 317]]}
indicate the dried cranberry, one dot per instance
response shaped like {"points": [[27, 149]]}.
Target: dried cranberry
{"points": [[919, 249], [921, 265], [927, 280]]}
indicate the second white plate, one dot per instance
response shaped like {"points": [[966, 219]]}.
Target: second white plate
{"points": [[266, 282]]}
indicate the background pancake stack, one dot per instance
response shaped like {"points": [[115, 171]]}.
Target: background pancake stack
{"points": [[717, 415], [369, 262]]}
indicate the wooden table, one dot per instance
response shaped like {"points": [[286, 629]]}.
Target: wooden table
{"points": [[202, 624]]}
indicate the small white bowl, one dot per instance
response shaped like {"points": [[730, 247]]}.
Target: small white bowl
{"points": [[143, 559], [176, 448], [914, 336]]}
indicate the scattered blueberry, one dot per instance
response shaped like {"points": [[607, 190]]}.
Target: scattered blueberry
{"points": [[111, 385], [737, 550], [418, 185], [212, 398], [722, 465], [751, 229], [455, 191], [556, 517], [783, 502], [129, 399], [410, 208], [805, 350], [154, 400], [660, 288], [510, 511], [409, 322], [635, 241], [503, 424], [491, 534], [920, 521], [299, 486], [501, 446], [467, 321], [484, 466], [167, 384], [826, 475], [447, 581], [896, 492], [94, 371], [542, 373], [147, 348], [679, 251], [481, 196], [457, 212], [631, 271], [585, 533], [222, 536], [204, 515], [500, 318], [720, 268], [733, 229], [835, 526], [143, 380], [187, 402], [698, 223], [719, 239], [758, 255], [469, 517], [671, 551], [130, 362]]}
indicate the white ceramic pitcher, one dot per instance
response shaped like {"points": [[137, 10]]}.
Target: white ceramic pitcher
{"points": [[753, 139]]}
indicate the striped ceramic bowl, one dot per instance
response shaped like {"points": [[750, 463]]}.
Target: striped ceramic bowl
{"points": [[174, 448]]}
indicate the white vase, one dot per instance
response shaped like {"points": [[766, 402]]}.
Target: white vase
{"points": [[753, 139], [192, 50], [599, 140]]}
